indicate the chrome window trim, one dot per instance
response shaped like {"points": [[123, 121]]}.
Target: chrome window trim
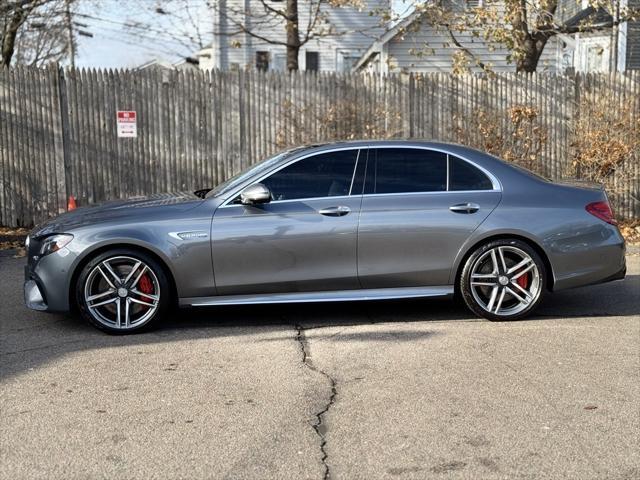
{"points": [[438, 192], [448, 171], [355, 169], [309, 199], [226, 203], [497, 187]]}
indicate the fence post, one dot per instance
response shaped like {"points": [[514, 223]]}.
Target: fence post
{"points": [[577, 91], [61, 136]]}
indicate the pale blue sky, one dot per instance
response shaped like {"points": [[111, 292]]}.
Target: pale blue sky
{"points": [[116, 44]]}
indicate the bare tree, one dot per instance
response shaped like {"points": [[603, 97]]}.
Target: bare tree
{"points": [[36, 32], [13, 15], [181, 24], [292, 26]]}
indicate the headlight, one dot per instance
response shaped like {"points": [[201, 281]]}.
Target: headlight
{"points": [[54, 243], [26, 243]]}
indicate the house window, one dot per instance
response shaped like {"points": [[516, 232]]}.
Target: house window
{"points": [[262, 61], [346, 60], [312, 61]]}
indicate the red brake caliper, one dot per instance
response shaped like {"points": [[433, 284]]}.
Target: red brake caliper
{"points": [[523, 280], [145, 286]]}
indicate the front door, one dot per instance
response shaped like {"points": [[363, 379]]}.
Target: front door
{"points": [[419, 208], [305, 239]]}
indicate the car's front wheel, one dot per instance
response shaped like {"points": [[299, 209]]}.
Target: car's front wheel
{"points": [[503, 280], [122, 291]]}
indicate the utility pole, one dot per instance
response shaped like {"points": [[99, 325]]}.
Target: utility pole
{"points": [[71, 46]]}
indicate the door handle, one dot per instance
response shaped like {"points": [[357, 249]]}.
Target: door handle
{"points": [[334, 211], [465, 207]]}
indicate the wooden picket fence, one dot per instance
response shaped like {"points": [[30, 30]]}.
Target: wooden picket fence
{"points": [[58, 134]]}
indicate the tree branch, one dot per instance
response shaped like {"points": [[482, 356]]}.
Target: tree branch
{"points": [[466, 50]]}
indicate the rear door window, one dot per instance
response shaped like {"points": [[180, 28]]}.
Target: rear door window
{"points": [[464, 176], [406, 170]]}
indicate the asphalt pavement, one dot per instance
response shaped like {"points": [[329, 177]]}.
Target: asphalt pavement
{"points": [[394, 389]]}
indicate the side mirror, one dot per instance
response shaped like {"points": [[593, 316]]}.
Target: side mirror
{"points": [[255, 194]]}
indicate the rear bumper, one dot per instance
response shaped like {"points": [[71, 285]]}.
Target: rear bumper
{"points": [[603, 264], [616, 276]]}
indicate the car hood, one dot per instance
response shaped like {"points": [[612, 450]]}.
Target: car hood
{"points": [[119, 210]]}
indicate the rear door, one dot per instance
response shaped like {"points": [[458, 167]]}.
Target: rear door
{"points": [[419, 207]]}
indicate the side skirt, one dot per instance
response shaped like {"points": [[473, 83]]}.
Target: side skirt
{"points": [[329, 296]]}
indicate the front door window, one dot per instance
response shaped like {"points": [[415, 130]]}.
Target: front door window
{"points": [[324, 175]]}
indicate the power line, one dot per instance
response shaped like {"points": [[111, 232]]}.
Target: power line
{"points": [[142, 27], [136, 36]]}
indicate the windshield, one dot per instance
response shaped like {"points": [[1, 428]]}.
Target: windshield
{"points": [[255, 170]]}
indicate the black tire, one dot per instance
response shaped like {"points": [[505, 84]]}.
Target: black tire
{"points": [[160, 283], [537, 278]]}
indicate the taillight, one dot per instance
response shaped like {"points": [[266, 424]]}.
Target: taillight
{"points": [[602, 210]]}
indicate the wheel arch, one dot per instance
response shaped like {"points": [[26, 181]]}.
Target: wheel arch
{"points": [[97, 250], [468, 251]]}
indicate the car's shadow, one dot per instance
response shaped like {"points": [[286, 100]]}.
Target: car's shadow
{"points": [[620, 298], [31, 339]]}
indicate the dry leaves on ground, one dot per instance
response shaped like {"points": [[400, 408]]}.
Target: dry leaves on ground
{"points": [[13, 232], [13, 239], [631, 232]]}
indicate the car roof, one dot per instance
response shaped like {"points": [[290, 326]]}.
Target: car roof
{"points": [[452, 147]]}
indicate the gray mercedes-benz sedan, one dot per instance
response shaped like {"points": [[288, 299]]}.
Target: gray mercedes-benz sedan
{"points": [[344, 221]]}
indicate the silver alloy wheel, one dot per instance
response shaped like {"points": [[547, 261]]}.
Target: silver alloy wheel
{"points": [[122, 292], [505, 280]]}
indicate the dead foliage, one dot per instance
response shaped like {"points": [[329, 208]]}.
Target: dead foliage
{"points": [[344, 120], [514, 134], [606, 146]]}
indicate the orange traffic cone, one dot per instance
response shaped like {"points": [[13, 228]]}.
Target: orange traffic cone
{"points": [[71, 204]]}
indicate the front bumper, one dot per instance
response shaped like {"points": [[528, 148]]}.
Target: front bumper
{"points": [[47, 280], [33, 297]]}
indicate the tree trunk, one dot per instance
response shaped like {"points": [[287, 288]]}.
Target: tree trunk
{"points": [[531, 50], [293, 35], [9, 35]]}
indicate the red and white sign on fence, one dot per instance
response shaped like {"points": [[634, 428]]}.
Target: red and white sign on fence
{"points": [[127, 124]]}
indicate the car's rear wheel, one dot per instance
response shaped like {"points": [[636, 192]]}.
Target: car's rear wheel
{"points": [[503, 280], [122, 291]]}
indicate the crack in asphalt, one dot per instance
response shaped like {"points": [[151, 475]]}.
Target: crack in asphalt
{"points": [[319, 425]]}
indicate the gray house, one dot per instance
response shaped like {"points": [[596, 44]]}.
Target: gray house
{"points": [[415, 45], [340, 36]]}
